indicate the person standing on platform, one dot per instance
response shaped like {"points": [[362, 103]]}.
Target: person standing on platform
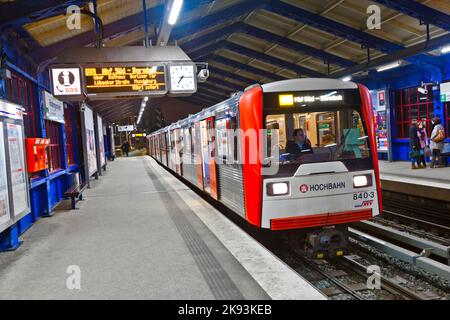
{"points": [[437, 143], [423, 139], [126, 147], [414, 145]]}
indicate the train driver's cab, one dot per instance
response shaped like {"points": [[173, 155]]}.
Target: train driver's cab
{"points": [[319, 136]]}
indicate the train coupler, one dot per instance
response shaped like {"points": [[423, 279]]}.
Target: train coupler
{"points": [[327, 243]]}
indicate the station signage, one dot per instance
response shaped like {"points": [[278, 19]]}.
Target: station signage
{"points": [[66, 81], [54, 108], [287, 100], [125, 80], [125, 128]]}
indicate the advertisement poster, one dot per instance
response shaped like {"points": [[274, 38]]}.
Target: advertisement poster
{"points": [[18, 172], [4, 202], [54, 109], [101, 143], [379, 111], [90, 138]]}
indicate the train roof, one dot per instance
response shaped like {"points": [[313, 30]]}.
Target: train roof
{"points": [[308, 84]]}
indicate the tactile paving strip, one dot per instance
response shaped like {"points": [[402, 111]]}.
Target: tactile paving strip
{"points": [[218, 280]]}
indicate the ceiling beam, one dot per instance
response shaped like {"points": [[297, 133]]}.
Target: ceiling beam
{"points": [[110, 30], [272, 60], [216, 18], [165, 29], [273, 38], [245, 67], [20, 12], [338, 29], [419, 11]]}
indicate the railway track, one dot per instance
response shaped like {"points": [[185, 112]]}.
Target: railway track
{"points": [[433, 231], [430, 214]]}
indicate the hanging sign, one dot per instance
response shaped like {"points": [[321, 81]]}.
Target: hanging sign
{"points": [[125, 80], [125, 128]]}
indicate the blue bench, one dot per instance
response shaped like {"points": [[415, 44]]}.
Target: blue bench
{"points": [[446, 153]]}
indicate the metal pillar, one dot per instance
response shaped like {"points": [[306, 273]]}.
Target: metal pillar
{"points": [[144, 8], [85, 143]]}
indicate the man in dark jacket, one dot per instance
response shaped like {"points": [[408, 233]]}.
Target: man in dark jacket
{"points": [[301, 143], [414, 144], [126, 147]]}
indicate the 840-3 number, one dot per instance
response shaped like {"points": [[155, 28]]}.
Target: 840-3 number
{"points": [[363, 195]]}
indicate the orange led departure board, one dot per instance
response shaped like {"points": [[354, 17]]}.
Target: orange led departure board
{"points": [[125, 80]]}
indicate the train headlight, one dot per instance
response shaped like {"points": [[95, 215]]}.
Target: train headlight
{"points": [[362, 181], [278, 188]]}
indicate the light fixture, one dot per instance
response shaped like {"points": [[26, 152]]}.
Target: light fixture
{"points": [[145, 99], [445, 49], [389, 66], [362, 181], [277, 188], [175, 11], [346, 78]]}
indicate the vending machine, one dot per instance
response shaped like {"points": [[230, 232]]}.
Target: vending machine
{"points": [[14, 195]]}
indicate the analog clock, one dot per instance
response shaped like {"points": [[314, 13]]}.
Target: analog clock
{"points": [[182, 78]]}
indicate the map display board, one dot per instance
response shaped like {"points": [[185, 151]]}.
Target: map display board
{"points": [[17, 168], [4, 202], [90, 139], [379, 111]]}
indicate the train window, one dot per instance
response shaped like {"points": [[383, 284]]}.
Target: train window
{"points": [[277, 122], [320, 136], [222, 139]]}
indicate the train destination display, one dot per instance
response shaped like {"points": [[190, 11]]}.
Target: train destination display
{"points": [[125, 80]]}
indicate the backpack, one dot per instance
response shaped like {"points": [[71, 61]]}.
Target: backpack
{"points": [[440, 136]]}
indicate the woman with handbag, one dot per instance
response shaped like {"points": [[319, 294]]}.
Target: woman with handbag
{"points": [[437, 143], [414, 145], [423, 139]]}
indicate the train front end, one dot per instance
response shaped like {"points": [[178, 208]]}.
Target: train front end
{"points": [[320, 138]]}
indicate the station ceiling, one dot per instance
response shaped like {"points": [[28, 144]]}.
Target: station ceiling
{"points": [[245, 41]]}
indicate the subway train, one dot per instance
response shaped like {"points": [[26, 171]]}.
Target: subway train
{"points": [[315, 169]]}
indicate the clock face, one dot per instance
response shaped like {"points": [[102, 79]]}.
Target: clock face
{"points": [[182, 78]]}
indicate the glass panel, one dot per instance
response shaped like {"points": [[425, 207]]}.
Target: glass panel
{"points": [[277, 121], [4, 202], [222, 139], [326, 136], [18, 174]]}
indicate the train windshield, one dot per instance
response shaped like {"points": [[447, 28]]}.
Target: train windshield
{"points": [[319, 136]]}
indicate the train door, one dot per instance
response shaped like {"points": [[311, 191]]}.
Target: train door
{"points": [[212, 157], [166, 148], [171, 148], [178, 151], [208, 160], [198, 154]]}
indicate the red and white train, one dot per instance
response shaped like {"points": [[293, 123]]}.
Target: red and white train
{"points": [[320, 188]]}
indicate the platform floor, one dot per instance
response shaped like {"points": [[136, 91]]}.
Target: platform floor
{"points": [[142, 234], [401, 171]]}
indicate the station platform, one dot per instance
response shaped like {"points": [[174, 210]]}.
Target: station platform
{"points": [[142, 234], [433, 183]]}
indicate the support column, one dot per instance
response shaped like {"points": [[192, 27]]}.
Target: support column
{"points": [[97, 145], [84, 141]]}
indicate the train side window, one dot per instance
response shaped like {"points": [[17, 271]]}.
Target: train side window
{"points": [[222, 139]]}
